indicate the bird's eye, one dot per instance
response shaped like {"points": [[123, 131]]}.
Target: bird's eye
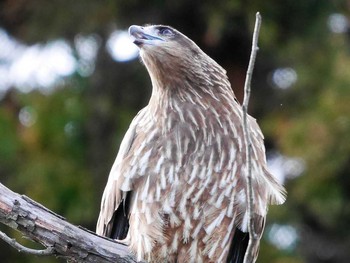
{"points": [[165, 31]]}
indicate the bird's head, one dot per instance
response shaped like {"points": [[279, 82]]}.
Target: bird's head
{"points": [[160, 40], [174, 60], [151, 36], [166, 52]]}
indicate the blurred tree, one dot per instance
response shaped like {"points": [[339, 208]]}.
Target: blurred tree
{"points": [[58, 147]]}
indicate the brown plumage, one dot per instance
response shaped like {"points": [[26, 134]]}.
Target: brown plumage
{"points": [[176, 191]]}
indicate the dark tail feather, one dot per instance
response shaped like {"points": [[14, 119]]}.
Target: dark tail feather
{"points": [[238, 247], [121, 219]]}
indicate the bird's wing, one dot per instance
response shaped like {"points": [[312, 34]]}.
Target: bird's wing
{"points": [[114, 212], [275, 193], [266, 191]]}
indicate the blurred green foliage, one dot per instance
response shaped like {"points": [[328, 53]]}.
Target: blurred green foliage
{"points": [[62, 154]]}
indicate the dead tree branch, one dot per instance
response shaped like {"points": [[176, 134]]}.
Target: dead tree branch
{"points": [[253, 238], [60, 238]]}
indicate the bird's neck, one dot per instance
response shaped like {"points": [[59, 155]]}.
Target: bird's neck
{"points": [[179, 87]]}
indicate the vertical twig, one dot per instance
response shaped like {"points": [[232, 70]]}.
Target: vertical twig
{"points": [[253, 238]]}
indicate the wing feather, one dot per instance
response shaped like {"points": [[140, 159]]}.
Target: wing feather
{"points": [[118, 187]]}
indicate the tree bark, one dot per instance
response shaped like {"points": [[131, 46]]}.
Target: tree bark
{"points": [[65, 240]]}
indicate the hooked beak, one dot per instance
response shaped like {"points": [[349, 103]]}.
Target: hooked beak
{"points": [[143, 35]]}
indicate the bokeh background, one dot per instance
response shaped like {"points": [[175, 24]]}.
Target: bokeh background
{"points": [[71, 81]]}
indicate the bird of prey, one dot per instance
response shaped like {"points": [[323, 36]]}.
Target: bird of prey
{"points": [[177, 189]]}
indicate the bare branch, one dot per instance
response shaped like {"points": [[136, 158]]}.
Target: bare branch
{"points": [[253, 238], [61, 238]]}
